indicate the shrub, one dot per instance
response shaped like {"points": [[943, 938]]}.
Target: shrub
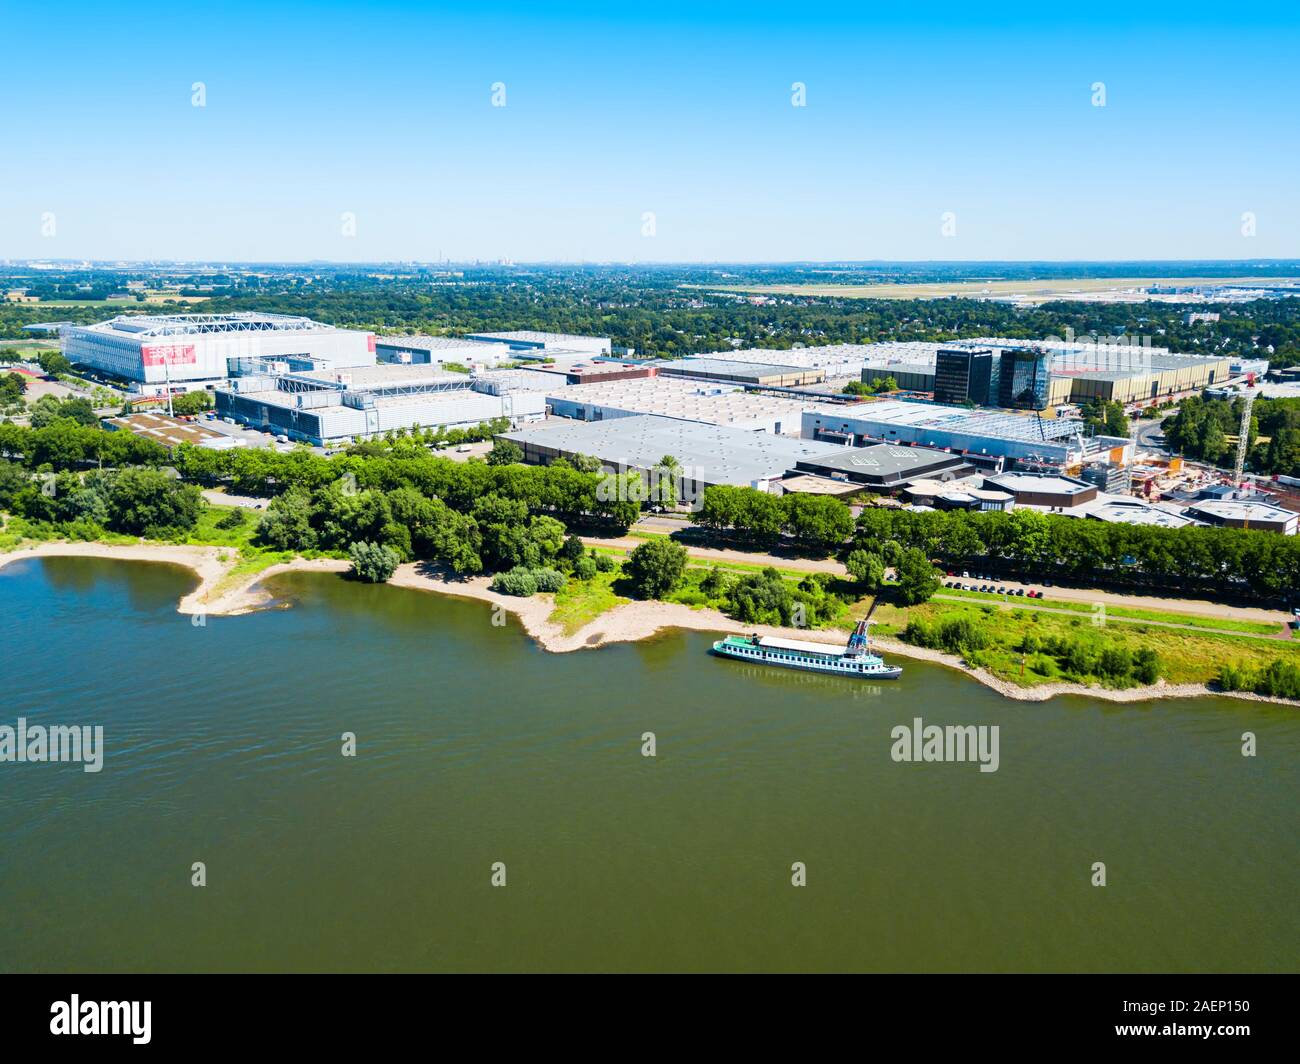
{"points": [[520, 582], [373, 562], [549, 579], [585, 567], [605, 563]]}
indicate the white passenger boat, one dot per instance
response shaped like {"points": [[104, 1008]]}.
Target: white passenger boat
{"points": [[855, 659]]}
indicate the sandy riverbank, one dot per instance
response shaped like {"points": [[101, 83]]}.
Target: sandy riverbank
{"points": [[222, 593]]}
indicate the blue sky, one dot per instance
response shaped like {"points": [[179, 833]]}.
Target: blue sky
{"points": [[682, 111]]}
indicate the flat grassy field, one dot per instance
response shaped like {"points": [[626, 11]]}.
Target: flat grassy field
{"points": [[1122, 613], [1186, 656]]}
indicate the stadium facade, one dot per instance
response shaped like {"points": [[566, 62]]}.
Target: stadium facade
{"points": [[193, 350]]}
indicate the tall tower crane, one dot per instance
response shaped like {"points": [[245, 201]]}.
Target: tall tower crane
{"points": [[1239, 465]]}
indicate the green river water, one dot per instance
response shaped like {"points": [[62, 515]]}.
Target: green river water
{"points": [[474, 746]]}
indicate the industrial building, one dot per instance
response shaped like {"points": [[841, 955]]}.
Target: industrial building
{"points": [[1042, 375], [885, 467], [438, 350], [987, 438], [907, 376], [196, 350], [716, 404], [531, 341], [1244, 513], [324, 407], [1050, 490], [707, 454], [835, 360], [764, 374], [956, 495]]}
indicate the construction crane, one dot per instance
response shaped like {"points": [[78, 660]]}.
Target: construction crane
{"points": [[1243, 439]]}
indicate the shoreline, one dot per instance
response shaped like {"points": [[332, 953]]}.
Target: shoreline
{"points": [[630, 622]]}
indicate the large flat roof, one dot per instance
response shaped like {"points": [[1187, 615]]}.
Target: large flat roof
{"points": [[887, 461], [727, 367], [440, 343], [147, 326], [958, 419], [392, 374], [712, 454], [692, 400]]}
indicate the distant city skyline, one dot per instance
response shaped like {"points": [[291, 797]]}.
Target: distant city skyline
{"points": [[575, 132]]}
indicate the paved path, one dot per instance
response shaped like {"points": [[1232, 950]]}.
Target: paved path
{"points": [[221, 498], [802, 565]]}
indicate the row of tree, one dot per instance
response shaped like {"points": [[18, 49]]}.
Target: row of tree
{"points": [[1045, 546], [819, 522]]}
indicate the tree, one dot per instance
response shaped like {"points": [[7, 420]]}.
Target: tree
{"points": [[12, 388], [374, 563], [149, 502], [656, 567], [192, 403], [505, 452], [917, 578], [286, 524], [867, 568], [53, 364]]}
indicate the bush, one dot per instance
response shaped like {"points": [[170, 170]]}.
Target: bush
{"points": [[234, 519], [1277, 679], [373, 562], [605, 563], [519, 582], [549, 579], [585, 568]]}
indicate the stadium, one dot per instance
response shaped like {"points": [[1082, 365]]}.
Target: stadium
{"points": [[191, 350]]}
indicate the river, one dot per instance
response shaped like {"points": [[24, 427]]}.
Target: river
{"points": [[222, 745]]}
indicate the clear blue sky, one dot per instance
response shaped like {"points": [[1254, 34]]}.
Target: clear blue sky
{"points": [[680, 109]]}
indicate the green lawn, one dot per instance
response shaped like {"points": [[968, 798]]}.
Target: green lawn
{"points": [[1126, 613], [582, 601], [1186, 656]]}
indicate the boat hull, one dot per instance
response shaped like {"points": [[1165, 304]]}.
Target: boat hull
{"points": [[824, 668]]}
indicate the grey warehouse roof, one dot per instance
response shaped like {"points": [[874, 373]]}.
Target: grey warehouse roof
{"points": [[711, 454], [887, 462]]}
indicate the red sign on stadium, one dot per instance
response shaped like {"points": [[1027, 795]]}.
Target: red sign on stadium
{"points": [[168, 355]]}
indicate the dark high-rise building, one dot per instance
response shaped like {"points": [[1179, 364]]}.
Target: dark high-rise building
{"points": [[1024, 378], [966, 375]]}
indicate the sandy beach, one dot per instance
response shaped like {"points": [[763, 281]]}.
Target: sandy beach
{"points": [[220, 593]]}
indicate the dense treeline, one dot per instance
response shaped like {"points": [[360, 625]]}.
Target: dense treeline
{"points": [[1041, 546], [819, 522], [471, 516], [66, 443], [136, 501], [1201, 427]]}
